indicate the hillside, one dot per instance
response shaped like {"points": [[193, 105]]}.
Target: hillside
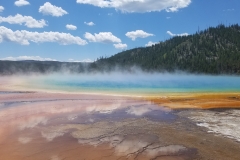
{"points": [[212, 51]]}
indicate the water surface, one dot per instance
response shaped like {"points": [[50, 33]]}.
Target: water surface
{"points": [[136, 83]]}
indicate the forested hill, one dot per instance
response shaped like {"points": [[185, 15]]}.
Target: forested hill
{"points": [[213, 51]]}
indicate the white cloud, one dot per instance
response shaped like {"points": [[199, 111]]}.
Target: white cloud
{"points": [[84, 60], [49, 9], [228, 10], [28, 21], [104, 37], [138, 34], [23, 37], [1, 8], [120, 46], [172, 34], [20, 3], [89, 23], [139, 5], [71, 27], [38, 58], [87, 60], [150, 43], [22, 58]]}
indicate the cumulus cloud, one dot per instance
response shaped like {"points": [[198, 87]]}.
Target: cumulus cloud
{"points": [[71, 27], [20, 3], [173, 35], [138, 34], [49, 9], [120, 46], [104, 37], [23, 37], [139, 5], [150, 43], [22, 58], [1, 8], [84, 60], [89, 23], [28, 21]]}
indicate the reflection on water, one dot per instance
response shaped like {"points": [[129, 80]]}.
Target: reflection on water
{"points": [[86, 129], [24, 140]]}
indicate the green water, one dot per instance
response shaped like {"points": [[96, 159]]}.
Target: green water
{"points": [[141, 83]]}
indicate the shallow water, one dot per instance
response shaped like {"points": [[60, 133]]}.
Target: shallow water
{"points": [[76, 126], [133, 84], [96, 128]]}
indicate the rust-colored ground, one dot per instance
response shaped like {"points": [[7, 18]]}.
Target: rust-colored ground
{"points": [[198, 100], [36, 125]]}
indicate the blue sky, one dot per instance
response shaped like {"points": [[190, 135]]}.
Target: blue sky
{"points": [[83, 30]]}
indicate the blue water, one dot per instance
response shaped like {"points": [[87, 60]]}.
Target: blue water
{"points": [[143, 83]]}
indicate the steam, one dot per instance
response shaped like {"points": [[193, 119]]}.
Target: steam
{"points": [[123, 82], [138, 82]]}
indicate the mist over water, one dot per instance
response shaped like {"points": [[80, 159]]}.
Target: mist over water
{"points": [[137, 82]]}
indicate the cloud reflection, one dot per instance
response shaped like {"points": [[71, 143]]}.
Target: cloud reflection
{"points": [[165, 150], [107, 108], [24, 140], [32, 122], [55, 157], [50, 135], [138, 111]]}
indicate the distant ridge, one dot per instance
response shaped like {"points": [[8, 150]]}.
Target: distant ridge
{"points": [[43, 67], [215, 50]]}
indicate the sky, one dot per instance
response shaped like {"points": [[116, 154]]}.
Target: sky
{"points": [[84, 30]]}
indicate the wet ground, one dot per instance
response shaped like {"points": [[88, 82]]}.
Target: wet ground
{"points": [[55, 126]]}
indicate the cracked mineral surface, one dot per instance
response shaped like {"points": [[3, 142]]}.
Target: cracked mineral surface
{"points": [[54, 126]]}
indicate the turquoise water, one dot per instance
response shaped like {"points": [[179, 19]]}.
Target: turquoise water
{"points": [[141, 83]]}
